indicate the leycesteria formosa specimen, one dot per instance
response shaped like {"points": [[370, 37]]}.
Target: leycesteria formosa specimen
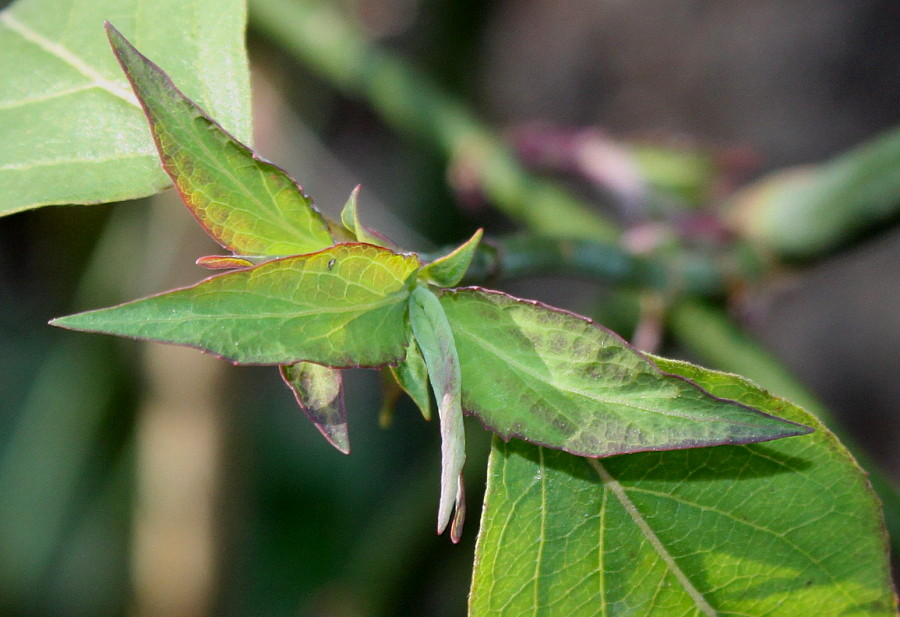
{"points": [[312, 295]]}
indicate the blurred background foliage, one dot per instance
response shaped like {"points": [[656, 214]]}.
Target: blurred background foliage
{"points": [[149, 480]]}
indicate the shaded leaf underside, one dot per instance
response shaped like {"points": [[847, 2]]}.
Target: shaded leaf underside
{"points": [[411, 374], [435, 340], [319, 392]]}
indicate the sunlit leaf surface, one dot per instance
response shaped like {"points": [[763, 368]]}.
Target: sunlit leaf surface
{"points": [[248, 205], [71, 131], [449, 270], [342, 307], [781, 529], [557, 379]]}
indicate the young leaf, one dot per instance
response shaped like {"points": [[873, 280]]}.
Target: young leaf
{"points": [[780, 529], [350, 221], [435, 339], [73, 133], [586, 391], [318, 390], [246, 204], [223, 262], [411, 374], [342, 307], [449, 270]]}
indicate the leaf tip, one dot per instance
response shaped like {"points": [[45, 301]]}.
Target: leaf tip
{"points": [[116, 38], [67, 322], [340, 442]]}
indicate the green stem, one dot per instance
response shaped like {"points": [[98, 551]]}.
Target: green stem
{"points": [[523, 255], [809, 212], [317, 35]]}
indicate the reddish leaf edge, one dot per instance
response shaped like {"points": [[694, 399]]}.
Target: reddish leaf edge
{"points": [[341, 445], [472, 410], [114, 36], [223, 262], [56, 322]]}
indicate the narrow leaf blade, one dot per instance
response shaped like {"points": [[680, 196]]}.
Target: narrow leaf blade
{"points": [[223, 262], [449, 270], [779, 529], [319, 392], [584, 390], [435, 339], [246, 204], [341, 307]]}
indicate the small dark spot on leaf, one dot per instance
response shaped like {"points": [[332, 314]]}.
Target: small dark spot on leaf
{"points": [[331, 264]]}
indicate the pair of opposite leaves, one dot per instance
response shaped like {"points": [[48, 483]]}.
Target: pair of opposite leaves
{"points": [[312, 296]]}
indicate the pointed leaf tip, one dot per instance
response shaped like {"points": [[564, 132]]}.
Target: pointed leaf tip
{"points": [[586, 390], [342, 307], [448, 271], [351, 222], [245, 203], [319, 392]]}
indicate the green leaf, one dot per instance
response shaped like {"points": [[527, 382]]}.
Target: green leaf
{"points": [[449, 270], [341, 307], [246, 204], [350, 221], [411, 374], [435, 340], [71, 131], [556, 379], [781, 529], [318, 390]]}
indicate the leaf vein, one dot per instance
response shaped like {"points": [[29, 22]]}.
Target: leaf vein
{"points": [[619, 491], [67, 56]]}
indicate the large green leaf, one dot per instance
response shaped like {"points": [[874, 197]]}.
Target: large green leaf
{"points": [[435, 340], [342, 307], [554, 378], [248, 205], [70, 129], [784, 529]]}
